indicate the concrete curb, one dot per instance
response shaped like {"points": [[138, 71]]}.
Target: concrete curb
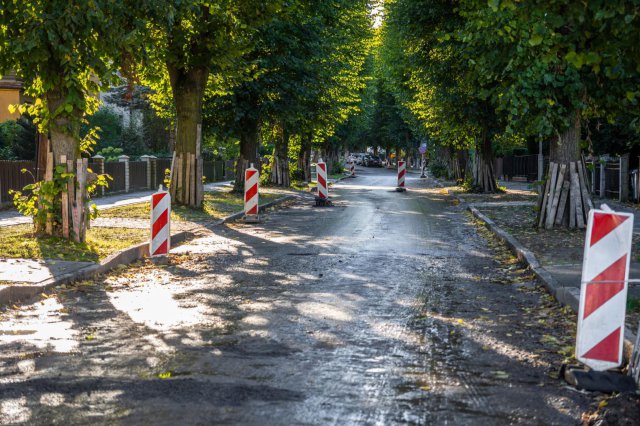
{"points": [[18, 293], [569, 296]]}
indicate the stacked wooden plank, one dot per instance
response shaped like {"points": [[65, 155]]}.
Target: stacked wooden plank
{"points": [[565, 200], [186, 179]]}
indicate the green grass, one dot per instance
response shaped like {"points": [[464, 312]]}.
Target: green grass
{"points": [[21, 242], [216, 205]]}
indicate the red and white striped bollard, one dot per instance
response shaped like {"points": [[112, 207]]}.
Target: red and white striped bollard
{"points": [[160, 243], [352, 168], [402, 171], [603, 292], [322, 198], [251, 195]]}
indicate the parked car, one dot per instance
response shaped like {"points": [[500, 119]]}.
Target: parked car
{"points": [[359, 159], [372, 161]]}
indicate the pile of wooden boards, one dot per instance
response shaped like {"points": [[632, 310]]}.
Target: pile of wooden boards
{"points": [[186, 189], [75, 206], [75, 217], [565, 200]]}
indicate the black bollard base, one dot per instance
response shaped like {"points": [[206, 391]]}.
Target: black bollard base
{"points": [[401, 189], [323, 202], [597, 381]]}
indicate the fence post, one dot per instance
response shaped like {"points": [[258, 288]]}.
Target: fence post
{"points": [[125, 159], [100, 160], [603, 163], [147, 160], [624, 178]]}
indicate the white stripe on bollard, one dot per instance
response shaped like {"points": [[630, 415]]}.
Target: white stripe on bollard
{"points": [[160, 223], [353, 168]]}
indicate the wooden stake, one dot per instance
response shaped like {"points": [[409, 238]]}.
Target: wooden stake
{"points": [[562, 207], [87, 215], [577, 194], [200, 193], [553, 167], [48, 176], [584, 188], [65, 204], [178, 197], [543, 204], [553, 201], [187, 180], [172, 189]]}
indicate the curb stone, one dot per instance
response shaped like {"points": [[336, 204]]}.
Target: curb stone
{"points": [[18, 293]]}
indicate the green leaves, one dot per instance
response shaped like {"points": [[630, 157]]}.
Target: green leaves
{"points": [[535, 40]]}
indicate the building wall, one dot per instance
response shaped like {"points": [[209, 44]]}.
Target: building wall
{"points": [[8, 97]]}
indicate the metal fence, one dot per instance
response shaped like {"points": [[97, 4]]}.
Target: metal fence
{"points": [[12, 178], [518, 167], [138, 176], [117, 181], [213, 171], [610, 177]]}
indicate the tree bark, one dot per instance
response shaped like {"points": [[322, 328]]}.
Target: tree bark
{"points": [[188, 87], [248, 149], [483, 176], [304, 157], [65, 136], [280, 165]]}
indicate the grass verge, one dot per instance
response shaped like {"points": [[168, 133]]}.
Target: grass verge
{"points": [[20, 242], [216, 205]]}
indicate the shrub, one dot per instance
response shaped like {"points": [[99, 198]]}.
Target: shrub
{"points": [[438, 169]]}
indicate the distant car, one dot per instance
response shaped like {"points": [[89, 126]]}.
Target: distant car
{"points": [[359, 159], [372, 161]]}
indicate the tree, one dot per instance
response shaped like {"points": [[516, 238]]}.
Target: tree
{"points": [[194, 44], [306, 67], [552, 63], [64, 51]]}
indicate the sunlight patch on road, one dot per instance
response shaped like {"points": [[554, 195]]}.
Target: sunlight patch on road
{"points": [[13, 411], [323, 311], [155, 307], [44, 325], [52, 399]]}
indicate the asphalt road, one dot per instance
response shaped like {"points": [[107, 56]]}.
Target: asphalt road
{"points": [[387, 308]]}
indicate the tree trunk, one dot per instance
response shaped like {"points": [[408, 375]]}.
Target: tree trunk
{"points": [[64, 150], [65, 136], [483, 177], [248, 150], [280, 165], [564, 200], [188, 92], [304, 157]]}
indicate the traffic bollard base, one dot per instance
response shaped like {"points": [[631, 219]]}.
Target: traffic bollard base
{"points": [[597, 381], [251, 218], [401, 189], [323, 202]]}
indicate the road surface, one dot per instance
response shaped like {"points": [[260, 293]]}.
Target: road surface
{"points": [[388, 308]]}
